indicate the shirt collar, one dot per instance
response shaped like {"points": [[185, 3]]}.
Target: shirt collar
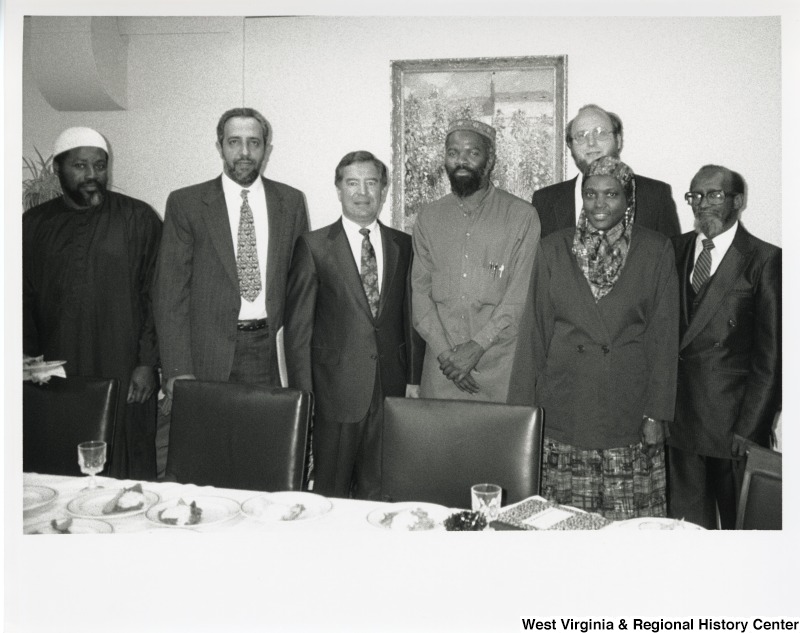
{"points": [[723, 241], [474, 201], [230, 187], [352, 228]]}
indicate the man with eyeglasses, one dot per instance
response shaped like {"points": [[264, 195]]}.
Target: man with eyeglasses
{"points": [[729, 364], [593, 133]]}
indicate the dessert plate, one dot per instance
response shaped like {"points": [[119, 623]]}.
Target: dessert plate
{"points": [[90, 504], [35, 497], [409, 517], [286, 507], [215, 510]]}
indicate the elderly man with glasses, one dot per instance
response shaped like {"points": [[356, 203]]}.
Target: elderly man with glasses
{"points": [[729, 367], [593, 133]]}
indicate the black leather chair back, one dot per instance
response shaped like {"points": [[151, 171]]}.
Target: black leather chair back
{"points": [[435, 450], [234, 435], [61, 414], [761, 496]]}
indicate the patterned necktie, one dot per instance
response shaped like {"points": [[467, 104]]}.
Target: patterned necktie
{"points": [[246, 253], [703, 266], [369, 272]]}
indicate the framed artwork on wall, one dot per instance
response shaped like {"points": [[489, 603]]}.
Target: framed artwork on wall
{"points": [[523, 98]]}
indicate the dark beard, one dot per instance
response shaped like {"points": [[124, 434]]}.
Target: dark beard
{"points": [[85, 200], [243, 174], [464, 186]]}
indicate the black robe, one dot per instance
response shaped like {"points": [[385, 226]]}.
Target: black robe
{"points": [[86, 299]]}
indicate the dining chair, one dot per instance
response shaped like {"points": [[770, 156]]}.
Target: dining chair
{"points": [[233, 435], [760, 499], [436, 450], [61, 414]]}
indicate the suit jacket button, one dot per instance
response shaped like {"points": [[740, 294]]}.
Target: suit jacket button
{"points": [[373, 356], [717, 343], [605, 349], [732, 322], [580, 349]]}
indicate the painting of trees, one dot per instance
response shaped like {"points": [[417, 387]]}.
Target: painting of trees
{"points": [[522, 98]]}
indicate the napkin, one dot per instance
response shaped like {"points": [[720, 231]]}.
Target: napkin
{"points": [[36, 369]]}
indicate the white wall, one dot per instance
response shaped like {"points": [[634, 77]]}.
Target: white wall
{"points": [[689, 90]]}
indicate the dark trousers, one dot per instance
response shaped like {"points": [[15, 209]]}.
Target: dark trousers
{"points": [[255, 361], [347, 457], [701, 486]]}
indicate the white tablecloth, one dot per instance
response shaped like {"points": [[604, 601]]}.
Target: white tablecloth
{"points": [[346, 514]]}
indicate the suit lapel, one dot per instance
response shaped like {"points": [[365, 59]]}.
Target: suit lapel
{"points": [[276, 225], [730, 269], [684, 261], [346, 265], [219, 228], [594, 322], [565, 205], [391, 255]]}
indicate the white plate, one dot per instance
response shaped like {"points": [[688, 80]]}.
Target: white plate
{"points": [[409, 517], [653, 523], [78, 526], [90, 504], [283, 507], [35, 497], [215, 510]]}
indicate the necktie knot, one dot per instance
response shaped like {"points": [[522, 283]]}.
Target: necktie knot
{"points": [[708, 244], [244, 194], [364, 232]]}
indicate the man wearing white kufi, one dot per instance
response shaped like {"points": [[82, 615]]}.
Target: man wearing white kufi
{"points": [[88, 260]]}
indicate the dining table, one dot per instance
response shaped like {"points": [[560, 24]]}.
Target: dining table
{"points": [[54, 504]]}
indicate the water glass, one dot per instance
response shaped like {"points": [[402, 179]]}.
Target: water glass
{"points": [[91, 459], [486, 500]]}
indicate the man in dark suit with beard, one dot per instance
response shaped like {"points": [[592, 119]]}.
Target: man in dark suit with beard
{"points": [[348, 331], [221, 276], [729, 367], [593, 133]]}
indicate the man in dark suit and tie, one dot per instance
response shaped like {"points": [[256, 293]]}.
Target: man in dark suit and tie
{"points": [[729, 367], [593, 133], [348, 331], [221, 276]]}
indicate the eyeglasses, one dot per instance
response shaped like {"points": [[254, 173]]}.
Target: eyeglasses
{"points": [[598, 134], [714, 197]]}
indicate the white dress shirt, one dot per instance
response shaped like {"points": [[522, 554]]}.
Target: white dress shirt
{"points": [[722, 243], [355, 238], [257, 199]]}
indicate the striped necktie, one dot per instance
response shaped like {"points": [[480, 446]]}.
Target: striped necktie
{"points": [[369, 272], [702, 268], [246, 254]]}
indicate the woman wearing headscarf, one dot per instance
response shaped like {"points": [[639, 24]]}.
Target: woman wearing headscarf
{"points": [[598, 349]]}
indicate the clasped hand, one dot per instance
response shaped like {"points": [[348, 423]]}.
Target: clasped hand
{"points": [[457, 365]]}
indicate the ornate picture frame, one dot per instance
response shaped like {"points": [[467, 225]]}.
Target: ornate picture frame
{"points": [[523, 98]]}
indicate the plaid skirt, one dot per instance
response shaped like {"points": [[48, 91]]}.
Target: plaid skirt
{"points": [[618, 483]]}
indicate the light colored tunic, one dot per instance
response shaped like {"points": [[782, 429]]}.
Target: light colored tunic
{"points": [[472, 266]]}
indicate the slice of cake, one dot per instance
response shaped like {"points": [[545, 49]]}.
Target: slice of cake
{"points": [[181, 514], [126, 500]]}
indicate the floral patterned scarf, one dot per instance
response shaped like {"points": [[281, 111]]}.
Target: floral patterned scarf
{"points": [[601, 255]]}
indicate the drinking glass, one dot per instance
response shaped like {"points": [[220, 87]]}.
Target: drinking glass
{"points": [[91, 459], [486, 500]]}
